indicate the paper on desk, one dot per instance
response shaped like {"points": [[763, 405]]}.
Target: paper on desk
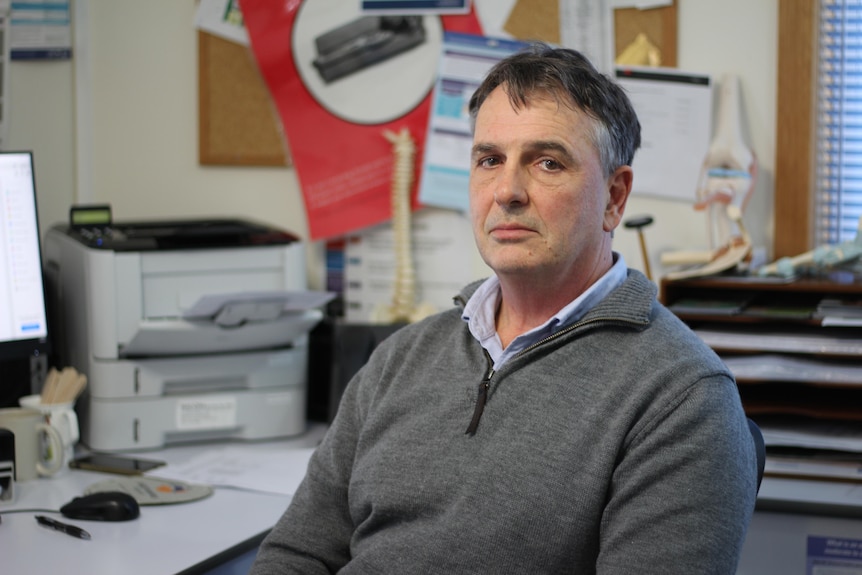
{"points": [[273, 470]]}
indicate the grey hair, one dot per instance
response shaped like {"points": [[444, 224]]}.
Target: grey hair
{"points": [[569, 77]]}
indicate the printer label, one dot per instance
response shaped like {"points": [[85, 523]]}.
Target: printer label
{"points": [[206, 412]]}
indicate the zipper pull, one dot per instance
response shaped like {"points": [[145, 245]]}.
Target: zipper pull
{"points": [[480, 404]]}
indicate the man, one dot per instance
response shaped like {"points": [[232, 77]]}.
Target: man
{"points": [[559, 420]]}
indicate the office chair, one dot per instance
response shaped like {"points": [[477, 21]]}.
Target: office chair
{"points": [[759, 448]]}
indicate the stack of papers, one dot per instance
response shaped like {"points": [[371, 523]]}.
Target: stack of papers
{"points": [[812, 449], [840, 312], [272, 470]]}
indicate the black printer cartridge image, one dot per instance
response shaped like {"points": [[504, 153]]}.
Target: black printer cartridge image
{"points": [[364, 42]]}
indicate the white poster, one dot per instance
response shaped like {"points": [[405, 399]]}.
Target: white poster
{"points": [[675, 113]]}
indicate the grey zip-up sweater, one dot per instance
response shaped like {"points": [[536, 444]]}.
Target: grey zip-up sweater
{"points": [[617, 446]]}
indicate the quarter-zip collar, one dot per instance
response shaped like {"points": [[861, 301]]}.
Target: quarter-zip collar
{"points": [[629, 305], [481, 309]]}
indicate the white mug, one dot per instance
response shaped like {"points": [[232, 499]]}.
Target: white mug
{"points": [[29, 426], [62, 417]]}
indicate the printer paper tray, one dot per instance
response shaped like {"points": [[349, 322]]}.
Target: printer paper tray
{"points": [[150, 423], [184, 337], [171, 375]]}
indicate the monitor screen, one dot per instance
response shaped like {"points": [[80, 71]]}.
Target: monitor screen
{"points": [[23, 317]]}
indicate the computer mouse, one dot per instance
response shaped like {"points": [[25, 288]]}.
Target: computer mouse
{"points": [[103, 506]]}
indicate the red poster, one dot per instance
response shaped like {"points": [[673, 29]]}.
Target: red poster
{"points": [[340, 79]]}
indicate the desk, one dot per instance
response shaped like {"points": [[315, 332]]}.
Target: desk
{"points": [[186, 537], [788, 511], [191, 538]]}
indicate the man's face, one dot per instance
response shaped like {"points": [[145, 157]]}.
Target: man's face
{"points": [[539, 200]]}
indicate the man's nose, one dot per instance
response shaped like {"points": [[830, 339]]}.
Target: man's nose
{"points": [[511, 188]]}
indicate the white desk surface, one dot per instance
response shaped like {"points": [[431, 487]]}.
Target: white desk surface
{"points": [[164, 539], [180, 538]]}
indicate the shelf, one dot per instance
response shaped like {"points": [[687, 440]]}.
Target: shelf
{"points": [[836, 283], [767, 368], [794, 347], [735, 300], [820, 341]]}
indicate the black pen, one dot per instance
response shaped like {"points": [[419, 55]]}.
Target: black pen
{"points": [[65, 528]]}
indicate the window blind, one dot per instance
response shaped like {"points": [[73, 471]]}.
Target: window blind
{"points": [[838, 160]]}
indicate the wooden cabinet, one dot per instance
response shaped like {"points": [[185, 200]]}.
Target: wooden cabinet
{"points": [[795, 347]]}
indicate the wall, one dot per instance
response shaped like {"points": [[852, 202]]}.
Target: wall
{"points": [[119, 123], [717, 37], [40, 112]]}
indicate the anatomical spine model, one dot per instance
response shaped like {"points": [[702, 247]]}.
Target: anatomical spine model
{"points": [[403, 307]]}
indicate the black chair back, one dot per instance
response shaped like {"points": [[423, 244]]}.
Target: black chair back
{"points": [[760, 449]]}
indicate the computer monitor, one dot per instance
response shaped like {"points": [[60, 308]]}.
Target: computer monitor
{"points": [[23, 314]]}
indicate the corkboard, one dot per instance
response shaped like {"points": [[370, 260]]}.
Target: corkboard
{"points": [[535, 20], [659, 25], [237, 122], [539, 20]]}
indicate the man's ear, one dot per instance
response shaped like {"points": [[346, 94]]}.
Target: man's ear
{"points": [[619, 187]]}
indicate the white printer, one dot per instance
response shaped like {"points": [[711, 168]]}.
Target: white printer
{"points": [[120, 296]]}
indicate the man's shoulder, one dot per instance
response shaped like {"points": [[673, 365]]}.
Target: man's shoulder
{"points": [[633, 300], [636, 301]]}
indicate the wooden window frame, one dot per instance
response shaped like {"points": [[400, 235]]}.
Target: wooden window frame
{"points": [[795, 128]]}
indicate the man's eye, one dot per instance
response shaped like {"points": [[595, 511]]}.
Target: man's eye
{"points": [[488, 162], [551, 165]]}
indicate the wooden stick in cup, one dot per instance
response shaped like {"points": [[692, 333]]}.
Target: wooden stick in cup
{"points": [[49, 388], [74, 390]]}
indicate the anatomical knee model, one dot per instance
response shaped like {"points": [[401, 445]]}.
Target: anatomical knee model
{"points": [[724, 187], [729, 169]]}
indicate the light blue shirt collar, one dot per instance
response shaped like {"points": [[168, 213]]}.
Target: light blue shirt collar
{"points": [[481, 311]]}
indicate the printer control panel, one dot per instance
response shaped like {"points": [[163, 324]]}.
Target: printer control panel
{"points": [[92, 224], [98, 236]]}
